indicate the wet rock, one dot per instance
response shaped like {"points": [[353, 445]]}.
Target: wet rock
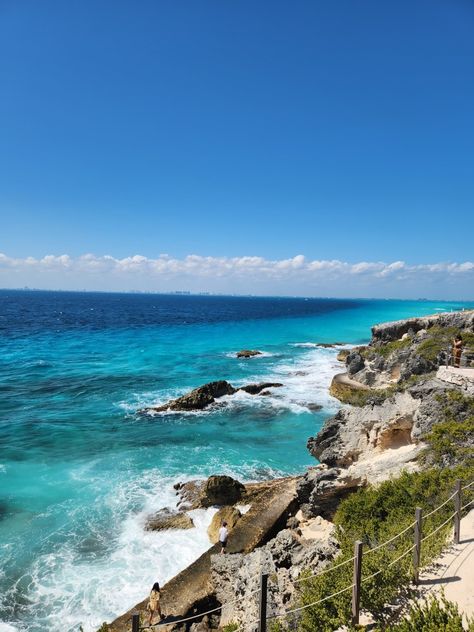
{"points": [[314, 408], [255, 389], [197, 399], [168, 519], [228, 514], [221, 490], [248, 353]]}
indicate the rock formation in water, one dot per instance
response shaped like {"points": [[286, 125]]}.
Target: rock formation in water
{"points": [[202, 396], [248, 353]]}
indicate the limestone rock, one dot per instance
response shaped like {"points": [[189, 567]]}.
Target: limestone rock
{"points": [[228, 514], [167, 519], [248, 353], [221, 490], [394, 330], [355, 431], [236, 578]]}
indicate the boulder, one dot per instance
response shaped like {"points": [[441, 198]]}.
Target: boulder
{"points": [[221, 490], [168, 519], [228, 514], [254, 389], [248, 353]]}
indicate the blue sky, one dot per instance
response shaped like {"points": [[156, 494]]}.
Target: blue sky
{"points": [[334, 130]]}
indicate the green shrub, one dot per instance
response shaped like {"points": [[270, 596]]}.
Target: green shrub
{"points": [[374, 515], [230, 627], [450, 440], [440, 339], [389, 347], [432, 615]]}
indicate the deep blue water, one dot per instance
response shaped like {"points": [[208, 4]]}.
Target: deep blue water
{"points": [[80, 470]]}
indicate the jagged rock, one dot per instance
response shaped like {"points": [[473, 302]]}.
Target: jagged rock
{"points": [[255, 389], [197, 399], [394, 330], [329, 345], [207, 394], [167, 519], [342, 355], [201, 626], [228, 514], [221, 490], [236, 577], [354, 362], [189, 494], [355, 431], [415, 365], [248, 353]]}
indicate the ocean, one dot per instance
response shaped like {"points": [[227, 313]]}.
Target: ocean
{"points": [[80, 470]]}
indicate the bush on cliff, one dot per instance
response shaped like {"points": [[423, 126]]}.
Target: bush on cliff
{"points": [[451, 441], [433, 615], [440, 339], [374, 515]]}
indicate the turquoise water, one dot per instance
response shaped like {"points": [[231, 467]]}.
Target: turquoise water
{"points": [[80, 470]]}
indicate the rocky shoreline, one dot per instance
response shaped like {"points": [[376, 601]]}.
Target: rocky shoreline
{"points": [[396, 386]]}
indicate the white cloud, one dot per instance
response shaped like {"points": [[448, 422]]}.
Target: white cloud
{"points": [[248, 274]]}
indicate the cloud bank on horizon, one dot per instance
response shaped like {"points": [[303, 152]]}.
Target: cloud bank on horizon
{"points": [[296, 276]]}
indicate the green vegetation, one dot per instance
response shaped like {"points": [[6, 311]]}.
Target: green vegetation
{"points": [[433, 615], [452, 440], [440, 339], [230, 627], [374, 515], [389, 347]]}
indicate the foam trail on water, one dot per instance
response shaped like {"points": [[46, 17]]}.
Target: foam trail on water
{"points": [[67, 590]]}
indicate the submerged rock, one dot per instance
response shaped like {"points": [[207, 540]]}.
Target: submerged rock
{"points": [[203, 396], [197, 399], [248, 353], [255, 389]]}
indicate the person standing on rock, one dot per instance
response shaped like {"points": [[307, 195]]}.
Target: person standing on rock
{"points": [[223, 535], [457, 351], [154, 602]]}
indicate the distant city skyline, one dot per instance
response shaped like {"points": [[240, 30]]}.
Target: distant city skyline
{"points": [[230, 133], [297, 276]]}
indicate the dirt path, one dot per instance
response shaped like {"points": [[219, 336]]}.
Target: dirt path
{"points": [[453, 571]]}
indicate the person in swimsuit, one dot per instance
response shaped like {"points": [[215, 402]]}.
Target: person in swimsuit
{"points": [[457, 351], [154, 602]]}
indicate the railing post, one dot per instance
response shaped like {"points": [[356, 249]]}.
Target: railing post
{"points": [[262, 615], [135, 622], [417, 549], [457, 516], [356, 582]]}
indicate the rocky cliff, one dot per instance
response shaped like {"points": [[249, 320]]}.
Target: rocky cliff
{"points": [[401, 387]]}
